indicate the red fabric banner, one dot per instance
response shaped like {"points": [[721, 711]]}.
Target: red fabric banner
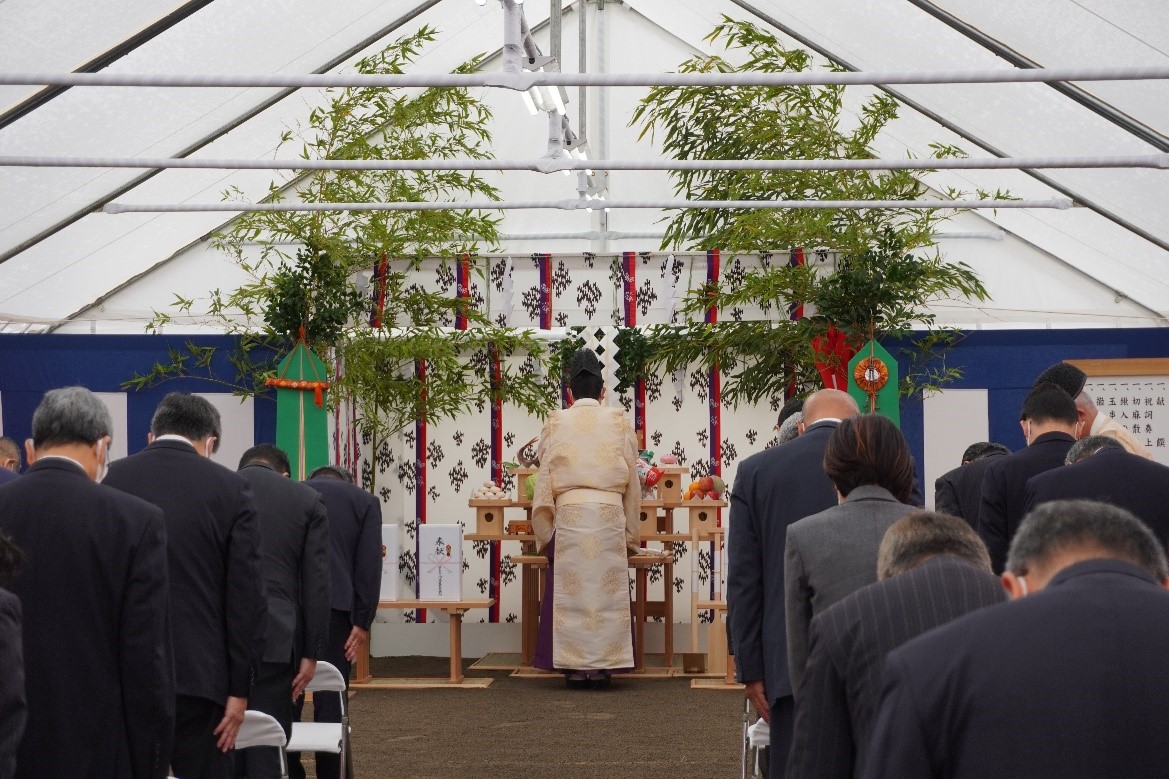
{"points": [[420, 496]]}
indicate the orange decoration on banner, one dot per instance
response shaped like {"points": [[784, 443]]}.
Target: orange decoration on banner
{"points": [[871, 374]]}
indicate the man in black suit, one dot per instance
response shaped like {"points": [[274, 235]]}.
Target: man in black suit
{"points": [[294, 548], [1050, 424], [97, 650], [932, 568], [9, 460], [774, 489], [1112, 475], [216, 593], [355, 529], [959, 492], [13, 705], [1070, 683]]}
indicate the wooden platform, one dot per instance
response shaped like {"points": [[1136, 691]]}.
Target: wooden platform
{"points": [[387, 683], [655, 668], [497, 661], [648, 672], [714, 683]]}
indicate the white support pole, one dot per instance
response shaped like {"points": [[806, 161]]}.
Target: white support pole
{"points": [[578, 205], [562, 163], [525, 81], [513, 40]]}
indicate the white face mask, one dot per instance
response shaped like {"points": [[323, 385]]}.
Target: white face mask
{"points": [[1023, 584]]}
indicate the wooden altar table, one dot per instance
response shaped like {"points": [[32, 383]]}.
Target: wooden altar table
{"points": [[455, 609]]}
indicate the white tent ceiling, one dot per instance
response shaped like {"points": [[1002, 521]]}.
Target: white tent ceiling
{"points": [[1101, 264]]}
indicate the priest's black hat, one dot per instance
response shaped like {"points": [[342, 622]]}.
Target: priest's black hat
{"points": [[1069, 377], [585, 360]]}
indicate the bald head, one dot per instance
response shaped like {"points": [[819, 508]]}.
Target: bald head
{"points": [[1086, 411], [829, 404]]}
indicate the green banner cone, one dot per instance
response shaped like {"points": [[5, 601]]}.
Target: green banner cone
{"points": [[873, 380], [302, 422]]}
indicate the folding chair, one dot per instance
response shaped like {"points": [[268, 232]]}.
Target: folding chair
{"points": [[756, 739], [330, 737], [262, 730]]}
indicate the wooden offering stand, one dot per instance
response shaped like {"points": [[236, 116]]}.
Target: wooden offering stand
{"points": [[488, 518], [362, 679]]}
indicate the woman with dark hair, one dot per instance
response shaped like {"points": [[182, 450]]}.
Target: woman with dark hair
{"points": [[585, 515], [13, 708], [834, 553]]}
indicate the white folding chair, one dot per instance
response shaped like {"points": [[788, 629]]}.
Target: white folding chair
{"points": [[332, 737], [262, 730], [756, 742]]}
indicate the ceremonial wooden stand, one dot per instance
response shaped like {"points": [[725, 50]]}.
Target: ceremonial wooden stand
{"points": [[455, 609]]}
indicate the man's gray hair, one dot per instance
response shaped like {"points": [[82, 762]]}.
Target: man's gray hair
{"points": [[1063, 525], [917, 537], [190, 416], [1086, 447], [70, 415], [790, 429]]}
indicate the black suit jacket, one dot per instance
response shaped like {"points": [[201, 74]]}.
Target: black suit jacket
{"points": [[217, 598], [842, 684], [1069, 682], [1110, 476], [355, 528], [13, 707], [1004, 490], [97, 651], [959, 492], [7, 476], [773, 489], [294, 548]]}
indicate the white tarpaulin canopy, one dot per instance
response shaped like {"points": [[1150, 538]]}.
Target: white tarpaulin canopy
{"points": [[66, 265]]}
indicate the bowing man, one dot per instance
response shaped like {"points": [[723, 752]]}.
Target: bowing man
{"points": [[97, 650], [217, 599], [1069, 683]]}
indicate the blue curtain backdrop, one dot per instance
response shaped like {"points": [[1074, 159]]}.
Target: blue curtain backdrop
{"points": [[32, 364], [1005, 362]]}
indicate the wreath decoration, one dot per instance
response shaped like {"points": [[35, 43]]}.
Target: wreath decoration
{"points": [[871, 374]]}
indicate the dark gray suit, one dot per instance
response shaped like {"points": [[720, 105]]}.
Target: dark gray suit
{"points": [[841, 687], [294, 553], [355, 530], [830, 555], [1069, 682], [13, 707]]}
